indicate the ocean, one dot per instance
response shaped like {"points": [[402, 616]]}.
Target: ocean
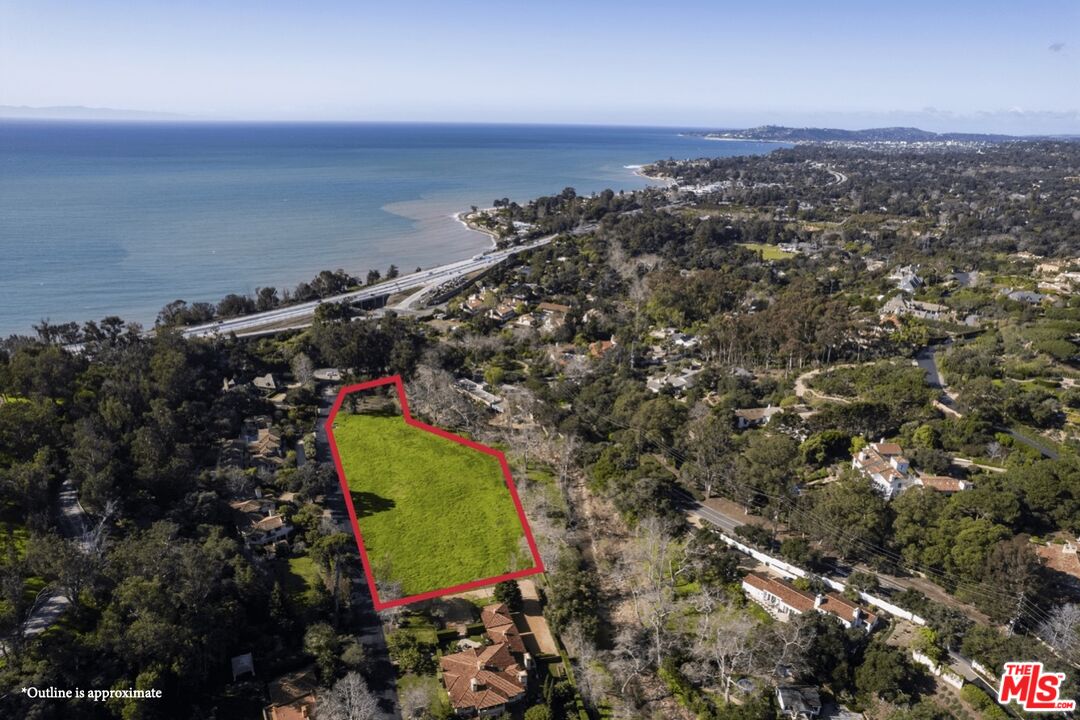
{"points": [[102, 219]]}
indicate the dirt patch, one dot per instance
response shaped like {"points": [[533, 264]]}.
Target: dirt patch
{"points": [[536, 633]]}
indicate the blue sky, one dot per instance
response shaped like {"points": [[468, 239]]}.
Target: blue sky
{"points": [[941, 65]]}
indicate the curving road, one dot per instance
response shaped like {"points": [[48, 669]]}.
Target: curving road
{"points": [[301, 313]]}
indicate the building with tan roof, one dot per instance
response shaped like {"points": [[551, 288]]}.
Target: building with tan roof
{"points": [[943, 484]]}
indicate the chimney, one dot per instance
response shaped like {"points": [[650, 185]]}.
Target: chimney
{"points": [[523, 678], [528, 661], [474, 684], [818, 600]]}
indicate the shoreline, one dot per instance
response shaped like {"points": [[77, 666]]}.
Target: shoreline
{"points": [[463, 218], [639, 170]]}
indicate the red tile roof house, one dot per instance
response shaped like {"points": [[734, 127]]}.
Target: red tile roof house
{"points": [[483, 681], [292, 696], [783, 600]]}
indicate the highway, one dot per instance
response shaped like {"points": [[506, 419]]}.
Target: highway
{"points": [[301, 313]]}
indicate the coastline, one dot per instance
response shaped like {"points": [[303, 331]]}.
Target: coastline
{"points": [[639, 170], [266, 253], [463, 218]]}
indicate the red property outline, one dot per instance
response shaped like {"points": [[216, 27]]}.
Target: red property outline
{"points": [[395, 380]]}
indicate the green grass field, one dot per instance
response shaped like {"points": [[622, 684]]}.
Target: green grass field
{"points": [[433, 513], [768, 252]]}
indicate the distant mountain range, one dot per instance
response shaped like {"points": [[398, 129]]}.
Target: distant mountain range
{"points": [[79, 112], [888, 134]]}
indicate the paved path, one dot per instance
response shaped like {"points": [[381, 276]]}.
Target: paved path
{"points": [[51, 603]]}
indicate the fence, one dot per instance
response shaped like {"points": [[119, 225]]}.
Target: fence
{"points": [[791, 571], [938, 670]]}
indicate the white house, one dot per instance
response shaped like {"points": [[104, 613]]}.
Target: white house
{"points": [[884, 463]]}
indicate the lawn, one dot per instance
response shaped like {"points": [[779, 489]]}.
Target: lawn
{"points": [[300, 580], [432, 688], [433, 513], [768, 252]]}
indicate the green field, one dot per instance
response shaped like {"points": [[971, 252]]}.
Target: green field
{"points": [[768, 252], [433, 513]]}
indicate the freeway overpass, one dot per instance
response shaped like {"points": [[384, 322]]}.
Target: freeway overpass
{"points": [[300, 314]]}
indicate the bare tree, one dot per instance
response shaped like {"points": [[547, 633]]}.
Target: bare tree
{"points": [[593, 681], [657, 562], [782, 645], [725, 646], [630, 656], [349, 699], [1061, 630], [416, 700], [432, 395], [302, 368]]}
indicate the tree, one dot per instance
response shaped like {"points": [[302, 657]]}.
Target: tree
{"points": [[373, 277], [509, 593], [349, 699], [929, 644], [321, 643], [1061, 630], [886, 673], [538, 712], [392, 272], [410, 654], [850, 516], [728, 646]]}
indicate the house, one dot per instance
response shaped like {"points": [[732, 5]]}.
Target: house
{"points": [[265, 384], [783, 600], [755, 417], [259, 444], [798, 702], [1026, 296], [474, 303], [292, 696], [907, 279], [850, 615], [899, 305], [475, 391], [257, 522], [884, 463], [502, 312], [943, 484], [265, 449], [528, 320], [562, 353], [600, 348], [780, 598], [483, 680], [680, 381], [501, 628], [552, 316]]}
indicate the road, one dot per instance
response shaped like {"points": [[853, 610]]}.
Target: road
{"points": [[369, 624], [727, 523], [301, 313], [688, 503], [927, 360], [52, 602]]}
